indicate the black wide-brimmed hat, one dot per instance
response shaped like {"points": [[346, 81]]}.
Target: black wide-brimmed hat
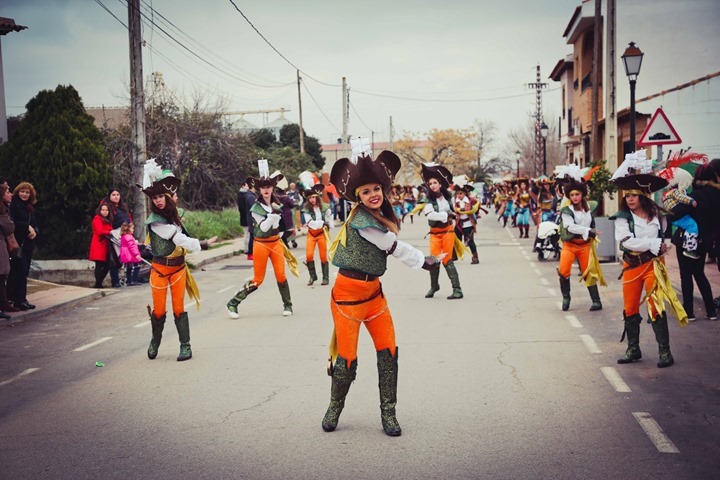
{"points": [[166, 185], [264, 181], [467, 188], [642, 183], [314, 190], [570, 184], [438, 172], [348, 175]]}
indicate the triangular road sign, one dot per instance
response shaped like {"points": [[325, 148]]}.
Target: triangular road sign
{"points": [[659, 131]]}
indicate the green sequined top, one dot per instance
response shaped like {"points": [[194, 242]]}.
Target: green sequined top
{"points": [[359, 254], [160, 247]]}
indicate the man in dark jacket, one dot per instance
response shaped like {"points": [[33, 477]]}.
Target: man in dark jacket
{"points": [[245, 200]]}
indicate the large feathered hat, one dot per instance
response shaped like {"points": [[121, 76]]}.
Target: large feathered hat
{"points": [[570, 179], [264, 179], [438, 172], [347, 175], [635, 175], [157, 181]]}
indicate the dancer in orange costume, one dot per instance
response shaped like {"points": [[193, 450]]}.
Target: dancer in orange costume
{"points": [[317, 216], [361, 249], [267, 245], [578, 234], [169, 271], [440, 214], [639, 228]]}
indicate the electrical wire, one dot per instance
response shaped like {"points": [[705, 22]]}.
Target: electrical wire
{"points": [[358, 116], [437, 100], [318, 106]]}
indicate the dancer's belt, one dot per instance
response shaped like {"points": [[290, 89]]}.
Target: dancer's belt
{"points": [[636, 259], [169, 261], [316, 233], [356, 275], [274, 238]]}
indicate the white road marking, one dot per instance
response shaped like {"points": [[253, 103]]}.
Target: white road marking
{"points": [[615, 379], [536, 269], [92, 308], [590, 344], [572, 319], [225, 289], [656, 434], [544, 281], [90, 345], [142, 324], [552, 292], [19, 375]]}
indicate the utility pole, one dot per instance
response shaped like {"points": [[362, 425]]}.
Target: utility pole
{"points": [[391, 133], [302, 134], [137, 111], [611, 141], [594, 140], [537, 86], [344, 114]]}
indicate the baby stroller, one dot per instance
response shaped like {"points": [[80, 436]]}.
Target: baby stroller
{"points": [[142, 275], [547, 241]]}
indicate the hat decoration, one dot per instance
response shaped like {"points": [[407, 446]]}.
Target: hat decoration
{"points": [[436, 171], [314, 190], [677, 176], [348, 175], [635, 175], [157, 181], [264, 179]]}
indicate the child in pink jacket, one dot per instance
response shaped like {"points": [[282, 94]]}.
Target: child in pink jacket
{"points": [[130, 254]]}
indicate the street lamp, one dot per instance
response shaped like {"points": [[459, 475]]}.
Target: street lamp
{"points": [[517, 159], [632, 58], [544, 132]]}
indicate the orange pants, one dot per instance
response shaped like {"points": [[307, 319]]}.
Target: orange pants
{"points": [[374, 313], [442, 240], [571, 250], [316, 237], [634, 279], [264, 249], [173, 278]]}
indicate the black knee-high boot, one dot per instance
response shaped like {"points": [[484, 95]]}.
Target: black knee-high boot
{"points": [[342, 377]]}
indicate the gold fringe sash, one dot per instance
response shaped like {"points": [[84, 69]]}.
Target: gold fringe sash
{"points": [[472, 211], [290, 259], [326, 232], [333, 347], [593, 273], [662, 291], [459, 247], [341, 237], [191, 287], [418, 208]]}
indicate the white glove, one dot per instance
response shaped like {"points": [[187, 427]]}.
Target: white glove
{"points": [[316, 224], [275, 219]]}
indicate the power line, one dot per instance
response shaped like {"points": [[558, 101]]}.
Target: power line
{"points": [[319, 108], [437, 100], [358, 116]]}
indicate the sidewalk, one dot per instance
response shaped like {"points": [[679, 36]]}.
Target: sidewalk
{"points": [[48, 297]]}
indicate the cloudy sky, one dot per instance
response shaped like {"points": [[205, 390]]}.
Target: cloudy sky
{"points": [[426, 64]]}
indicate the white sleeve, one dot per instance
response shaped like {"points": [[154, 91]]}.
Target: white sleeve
{"points": [[431, 214], [329, 217], [406, 253], [573, 227], [175, 235], [628, 241]]}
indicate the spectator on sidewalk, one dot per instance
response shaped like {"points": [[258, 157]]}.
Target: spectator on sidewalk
{"points": [[287, 224], [7, 228], [130, 254], [99, 243], [296, 195], [22, 211], [707, 216], [245, 199], [120, 214]]}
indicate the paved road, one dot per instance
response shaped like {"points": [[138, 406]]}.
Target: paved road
{"points": [[501, 384]]}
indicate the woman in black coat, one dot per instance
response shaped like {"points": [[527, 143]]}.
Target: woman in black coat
{"points": [[706, 192], [120, 214], [22, 211]]}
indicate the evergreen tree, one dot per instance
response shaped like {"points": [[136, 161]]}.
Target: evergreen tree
{"points": [[290, 137], [58, 149]]}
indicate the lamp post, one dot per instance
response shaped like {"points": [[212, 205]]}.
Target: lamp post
{"points": [[517, 159], [632, 58], [544, 132]]}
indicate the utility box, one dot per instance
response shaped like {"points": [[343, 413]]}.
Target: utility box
{"points": [[607, 250]]}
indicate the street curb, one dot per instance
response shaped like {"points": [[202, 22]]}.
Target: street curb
{"points": [[18, 317]]}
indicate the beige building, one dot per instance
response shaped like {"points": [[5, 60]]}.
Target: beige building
{"points": [[574, 72]]}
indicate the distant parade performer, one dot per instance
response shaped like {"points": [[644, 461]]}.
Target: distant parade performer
{"points": [[639, 228], [579, 238], [440, 214], [318, 218], [169, 271], [265, 216], [360, 250], [466, 208], [522, 209]]}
